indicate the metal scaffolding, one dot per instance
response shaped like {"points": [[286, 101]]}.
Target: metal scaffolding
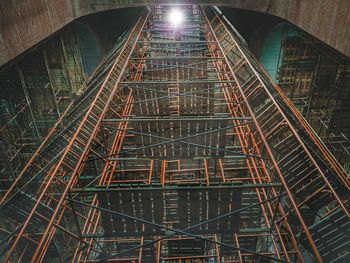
{"points": [[34, 92], [180, 148], [317, 80]]}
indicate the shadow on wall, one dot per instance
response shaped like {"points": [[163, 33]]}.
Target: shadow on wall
{"points": [[271, 52], [264, 35], [99, 32]]}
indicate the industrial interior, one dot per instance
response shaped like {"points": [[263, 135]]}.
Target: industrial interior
{"points": [[173, 132]]}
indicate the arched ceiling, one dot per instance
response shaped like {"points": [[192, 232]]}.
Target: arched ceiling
{"points": [[25, 23]]}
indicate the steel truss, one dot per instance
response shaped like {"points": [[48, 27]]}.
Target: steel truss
{"points": [[180, 149]]}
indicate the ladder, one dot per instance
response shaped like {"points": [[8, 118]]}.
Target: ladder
{"points": [[64, 173]]}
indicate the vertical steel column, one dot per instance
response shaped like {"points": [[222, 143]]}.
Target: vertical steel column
{"points": [[28, 100], [52, 83]]}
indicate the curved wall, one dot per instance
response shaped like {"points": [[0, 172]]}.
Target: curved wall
{"points": [[25, 23]]}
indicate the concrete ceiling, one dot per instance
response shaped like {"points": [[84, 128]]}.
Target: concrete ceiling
{"points": [[25, 23]]}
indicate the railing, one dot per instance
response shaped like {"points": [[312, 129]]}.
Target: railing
{"points": [[297, 158]]}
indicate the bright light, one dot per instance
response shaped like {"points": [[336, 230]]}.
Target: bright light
{"points": [[176, 17]]}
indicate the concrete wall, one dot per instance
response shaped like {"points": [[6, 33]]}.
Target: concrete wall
{"points": [[24, 23]]}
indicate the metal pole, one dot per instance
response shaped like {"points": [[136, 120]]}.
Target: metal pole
{"points": [[29, 102]]}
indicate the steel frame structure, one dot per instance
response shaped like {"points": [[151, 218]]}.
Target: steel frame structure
{"points": [[185, 150], [42, 93], [305, 65]]}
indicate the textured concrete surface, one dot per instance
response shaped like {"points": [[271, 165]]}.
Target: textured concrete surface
{"points": [[24, 23]]}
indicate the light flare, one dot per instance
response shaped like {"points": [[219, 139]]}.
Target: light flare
{"points": [[176, 17]]}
